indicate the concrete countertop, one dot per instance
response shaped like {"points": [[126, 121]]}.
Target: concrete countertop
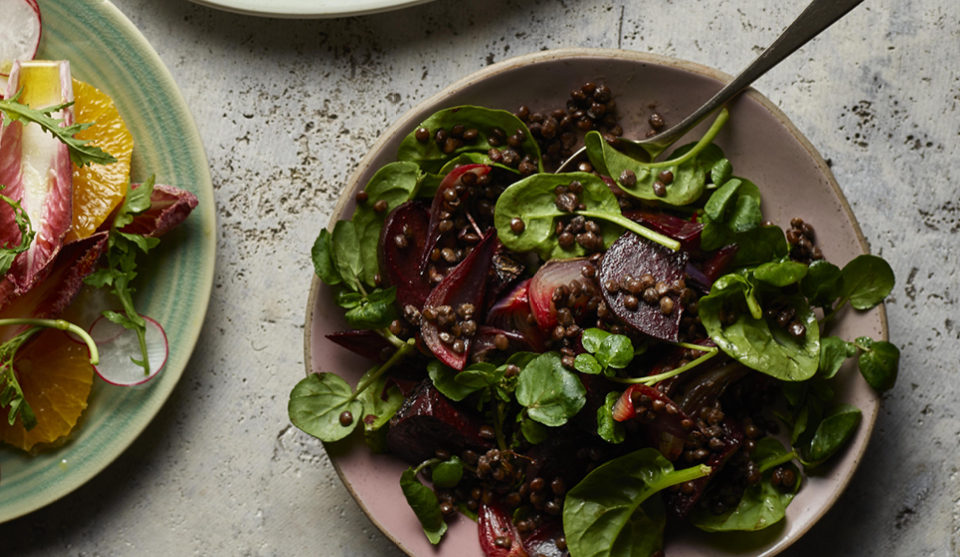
{"points": [[287, 108]]}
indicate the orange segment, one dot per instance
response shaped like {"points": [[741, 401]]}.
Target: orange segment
{"points": [[97, 188], [56, 376]]}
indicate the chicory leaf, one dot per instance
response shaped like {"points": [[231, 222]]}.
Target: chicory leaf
{"points": [[316, 403]]}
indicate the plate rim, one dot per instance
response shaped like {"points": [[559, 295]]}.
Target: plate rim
{"points": [[606, 53], [356, 8], [206, 268]]}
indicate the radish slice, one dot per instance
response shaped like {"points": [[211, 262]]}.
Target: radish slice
{"points": [[87, 308], [19, 32], [115, 365]]}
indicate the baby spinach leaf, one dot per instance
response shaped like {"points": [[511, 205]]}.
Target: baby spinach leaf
{"points": [[322, 255], [534, 432], [395, 183], [316, 403], [823, 283], [832, 433], [833, 352], [761, 505], [720, 172], [879, 363], [346, 253], [447, 473], [757, 341], [430, 156], [606, 514], [425, 506], [551, 393], [760, 245], [866, 281], [609, 429], [379, 406], [781, 273]]}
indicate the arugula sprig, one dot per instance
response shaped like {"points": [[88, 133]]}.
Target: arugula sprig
{"points": [[82, 152], [11, 396], [9, 252], [121, 266]]}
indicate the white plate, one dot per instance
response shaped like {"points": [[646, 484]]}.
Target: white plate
{"points": [[308, 8]]}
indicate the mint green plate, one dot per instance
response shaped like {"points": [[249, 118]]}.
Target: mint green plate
{"points": [[107, 51]]}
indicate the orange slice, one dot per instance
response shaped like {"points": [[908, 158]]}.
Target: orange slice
{"points": [[56, 376], [97, 188]]}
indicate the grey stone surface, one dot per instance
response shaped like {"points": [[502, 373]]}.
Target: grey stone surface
{"points": [[287, 108]]}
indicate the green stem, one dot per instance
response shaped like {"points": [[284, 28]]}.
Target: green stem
{"points": [[701, 145], [424, 464], [681, 476], [498, 425], [778, 461], [371, 379], [390, 337], [651, 379], [634, 227], [61, 325], [825, 322]]}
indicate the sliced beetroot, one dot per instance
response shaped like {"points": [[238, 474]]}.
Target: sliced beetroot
{"points": [[484, 344], [717, 265], [498, 536], [566, 273], [679, 503], [505, 271], [658, 411], [428, 421], [544, 540], [464, 284], [450, 181], [366, 343], [513, 313], [400, 266], [634, 256], [169, 206], [684, 231]]}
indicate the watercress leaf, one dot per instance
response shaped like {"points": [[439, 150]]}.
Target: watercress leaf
{"points": [[425, 506], [781, 273], [316, 403], [832, 433], [585, 363], [371, 315], [384, 295], [534, 432], [592, 338], [760, 245], [758, 342], [551, 393], [347, 299], [833, 352], [431, 156], [823, 283], [520, 359], [609, 429], [720, 172], [445, 380], [380, 403], [605, 514], [447, 473], [480, 375], [346, 253], [615, 351], [761, 505], [866, 281], [880, 364], [745, 216], [794, 391]]}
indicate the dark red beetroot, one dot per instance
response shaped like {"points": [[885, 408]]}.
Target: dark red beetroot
{"points": [[660, 412], [505, 271], [634, 256], [684, 231], [464, 284], [400, 266], [485, 343], [451, 181], [679, 503], [513, 313], [717, 265], [554, 274], [542, 541], [366, 343], [428, 421], [498, 536]]}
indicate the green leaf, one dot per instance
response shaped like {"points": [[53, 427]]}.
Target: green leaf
{"points": [[447, 473], [431, 157], [781, 273], [425, 506], [823, 283], [879, 364], [721, 171], [379, 406], [445, 380], [615, 351], [758, 342], [551, 393], [866, 281], [376, 311], [346, 253], [832, 433], [534, 432], [585, 363], [316, 403], [609, 429], [760, 245], [761, 505], [607, 514], [10, 252], [322, 254], [833, 352], [592, 338]]}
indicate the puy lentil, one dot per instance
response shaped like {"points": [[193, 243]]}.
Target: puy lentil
{"points": [[346, 418], [659, 189]]}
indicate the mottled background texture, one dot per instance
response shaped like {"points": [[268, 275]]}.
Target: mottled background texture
{"points": [[287, 108]]}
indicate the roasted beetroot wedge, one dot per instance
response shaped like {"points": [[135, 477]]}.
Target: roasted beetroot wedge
{"points": [[169, 206], [718, 264], [366, 343], [455, 303], [448, 201], [626, 263], [401, 246], [544, 540], [498, 536], [679, 503], [428, 421], [650, 406], [36, 170], [513, 313], [505, 271], [684, 231], [488, 341], [567, 283]]}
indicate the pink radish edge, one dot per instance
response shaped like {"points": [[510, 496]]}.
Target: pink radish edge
{"points": [[36, 46], [105, 351]]}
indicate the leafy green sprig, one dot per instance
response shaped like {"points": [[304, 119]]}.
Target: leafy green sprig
{"points": [[9, 252], [82, 153]]}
